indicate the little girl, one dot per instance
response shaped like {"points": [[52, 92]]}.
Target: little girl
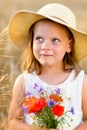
{"points": [[51, 76]]}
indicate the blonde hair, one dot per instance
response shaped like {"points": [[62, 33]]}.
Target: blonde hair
{"points": [[31, 64]]}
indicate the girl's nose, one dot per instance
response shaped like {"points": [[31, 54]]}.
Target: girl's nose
{"points": [[46, 45]]}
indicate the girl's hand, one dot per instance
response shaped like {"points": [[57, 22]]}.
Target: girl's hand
{"points": [[19, 114]]}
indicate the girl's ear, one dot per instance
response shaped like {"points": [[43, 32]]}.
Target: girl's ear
{"points": [[69, 47]]}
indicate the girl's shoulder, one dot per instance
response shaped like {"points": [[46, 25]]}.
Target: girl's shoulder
{"points": [[84, 96], [85, 84], [23, 80], [19, 83], [85, 79], [20, 79]]}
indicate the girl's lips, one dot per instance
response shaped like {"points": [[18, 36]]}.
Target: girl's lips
{"points": [[46, 54]]}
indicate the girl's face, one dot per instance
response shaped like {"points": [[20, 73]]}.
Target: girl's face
{"points": [[50, 43]]}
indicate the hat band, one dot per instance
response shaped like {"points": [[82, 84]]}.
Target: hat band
{"points": [[58, 18]]}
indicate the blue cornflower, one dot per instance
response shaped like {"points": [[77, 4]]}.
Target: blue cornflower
{"points": [[51, 103], [27, 94], [73, 110], [58, 91], [41, 89], [35, 85]]}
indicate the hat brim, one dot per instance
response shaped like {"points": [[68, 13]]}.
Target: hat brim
{"points": [[21, 22]]}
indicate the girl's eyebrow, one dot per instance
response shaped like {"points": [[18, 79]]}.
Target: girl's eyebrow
{"points": [[38, 36]]}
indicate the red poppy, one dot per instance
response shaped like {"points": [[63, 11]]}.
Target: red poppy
{"points": [[56, 98], [34, 104], [40, 104], [58, 110]]}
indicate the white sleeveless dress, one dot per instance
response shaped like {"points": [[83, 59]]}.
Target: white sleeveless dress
{"points": [[71, 89]]}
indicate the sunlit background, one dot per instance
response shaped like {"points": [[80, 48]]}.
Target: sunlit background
{"points": [[8, 7], [10, 56]]}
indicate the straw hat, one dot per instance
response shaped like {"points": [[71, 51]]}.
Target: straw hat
{"points": [[21, 22]]}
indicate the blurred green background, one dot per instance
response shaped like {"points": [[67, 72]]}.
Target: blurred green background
{"points": [[10, 55]]}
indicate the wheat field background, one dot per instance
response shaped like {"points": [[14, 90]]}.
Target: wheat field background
{"points": [[10, 55]]}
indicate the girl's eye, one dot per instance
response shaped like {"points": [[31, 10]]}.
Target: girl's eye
{"points": [[39, 39], [55, 40]]}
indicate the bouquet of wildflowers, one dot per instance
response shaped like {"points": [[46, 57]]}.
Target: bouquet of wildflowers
{"points": [[48, 110]]}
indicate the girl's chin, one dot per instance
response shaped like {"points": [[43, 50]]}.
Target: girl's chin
{"points": [[46, 64]]}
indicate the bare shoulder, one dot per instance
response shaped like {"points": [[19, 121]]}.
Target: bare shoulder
{"points": [[85, 84], [18, 88], [20, 79], [84, 96], [85, 78]]}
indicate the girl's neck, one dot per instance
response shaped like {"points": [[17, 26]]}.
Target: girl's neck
{"points": [[52, 69], [54, 77]]}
